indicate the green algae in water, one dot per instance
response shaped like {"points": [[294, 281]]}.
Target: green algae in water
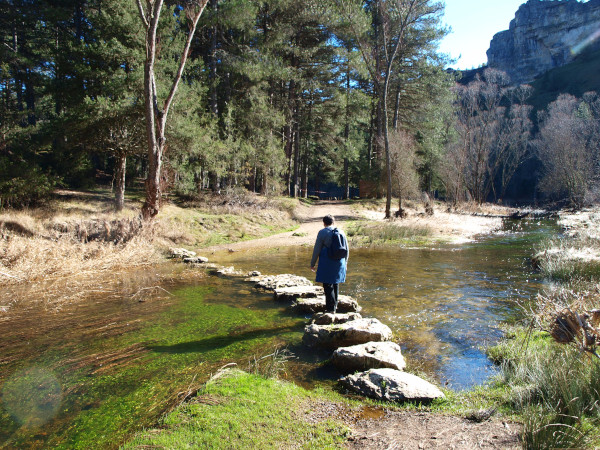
{"points": [[141, 371]]}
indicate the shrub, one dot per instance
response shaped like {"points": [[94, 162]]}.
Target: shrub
{"points": [[24, 187]]}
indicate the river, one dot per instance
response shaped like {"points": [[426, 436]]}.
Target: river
{"points": [[87, 375]]}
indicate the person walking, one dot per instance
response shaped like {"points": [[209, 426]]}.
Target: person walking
{"points": [[331, 269]]}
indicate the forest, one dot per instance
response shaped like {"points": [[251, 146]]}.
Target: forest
{"points": [[275, 97]]}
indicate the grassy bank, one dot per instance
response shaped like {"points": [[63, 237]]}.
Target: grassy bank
{"points": [[363, 233], [242, 410], [554, 389]]}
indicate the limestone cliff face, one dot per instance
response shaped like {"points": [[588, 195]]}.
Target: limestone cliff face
{"points": [[544, 34]]}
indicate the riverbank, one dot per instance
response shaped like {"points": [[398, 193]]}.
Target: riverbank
{"points": [[551, 367], [77, 237], [241, 410]]}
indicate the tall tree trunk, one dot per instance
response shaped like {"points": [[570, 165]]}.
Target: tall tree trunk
{"points": [[347, 137], [296, 159], [214, 106], [120, 170], [289, 135], [397, 108], [305, 179]]}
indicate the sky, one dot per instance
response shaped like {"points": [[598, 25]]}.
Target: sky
{"points": [[474, 23]]}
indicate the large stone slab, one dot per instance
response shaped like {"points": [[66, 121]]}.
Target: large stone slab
{"points": [[372, 355], [273, 282], [291, 293], [355, 332], [392, 385], [315, 305], [330, 318]]}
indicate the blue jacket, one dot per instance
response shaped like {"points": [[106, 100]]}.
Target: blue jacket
{"points": [[331, 271]]}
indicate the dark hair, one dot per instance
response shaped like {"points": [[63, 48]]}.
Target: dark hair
{"points": [[328, 220]]}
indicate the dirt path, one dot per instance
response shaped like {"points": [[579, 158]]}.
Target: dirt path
{"points": [[310, 218], [377, 428]]}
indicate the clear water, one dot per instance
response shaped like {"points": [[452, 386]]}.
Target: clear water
{"points": [[91, 373], [444, 304]]}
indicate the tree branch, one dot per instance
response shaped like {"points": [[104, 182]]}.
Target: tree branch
{"points": [[142, 13], [182, 61]]}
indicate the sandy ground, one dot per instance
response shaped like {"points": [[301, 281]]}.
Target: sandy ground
{"points": [[451, 227]]}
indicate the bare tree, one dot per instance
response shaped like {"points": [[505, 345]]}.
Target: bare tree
{"points": [[405, 180], [493, 138], [156, 115], [567, 148]]}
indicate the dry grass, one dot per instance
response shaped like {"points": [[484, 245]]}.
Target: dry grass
{"points": [[73, 245]]}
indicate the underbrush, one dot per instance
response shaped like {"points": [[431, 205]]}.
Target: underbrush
{"points": [[577, 255], [551, 369]]}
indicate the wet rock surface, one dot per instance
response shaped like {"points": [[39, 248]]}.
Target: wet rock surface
{"points": [[315, 305], [392, 385], [355, 332], [372, 355], [181, 253]]}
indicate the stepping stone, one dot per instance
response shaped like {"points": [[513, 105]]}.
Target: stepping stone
{"points": [[330, 318], [372, 355], [195, 260], [229, 272], [392, 385], [294, 292], [273, 282], [315, 305], [181, 253], [355, 332]]}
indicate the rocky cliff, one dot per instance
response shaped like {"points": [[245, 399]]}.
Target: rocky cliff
{"points": [[545, 34]]}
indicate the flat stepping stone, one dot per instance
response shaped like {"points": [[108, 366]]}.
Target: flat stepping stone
{"points": [[315, 305], [355, 332], [330, 318], [229, 272], [372, 355], [181, 253], [195, 260], [273, 282], [292, 293], [392, 385]]}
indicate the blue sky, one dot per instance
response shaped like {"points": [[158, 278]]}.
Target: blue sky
{"points": [[474, 23]]}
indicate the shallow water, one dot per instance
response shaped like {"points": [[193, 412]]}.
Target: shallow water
{"points": [[444, 303], [89, 374]]}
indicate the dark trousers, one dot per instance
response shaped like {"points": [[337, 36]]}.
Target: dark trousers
{"points": [[331, 296]]}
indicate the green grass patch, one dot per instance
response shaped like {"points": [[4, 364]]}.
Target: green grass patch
{"points": [[240, 410]]}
